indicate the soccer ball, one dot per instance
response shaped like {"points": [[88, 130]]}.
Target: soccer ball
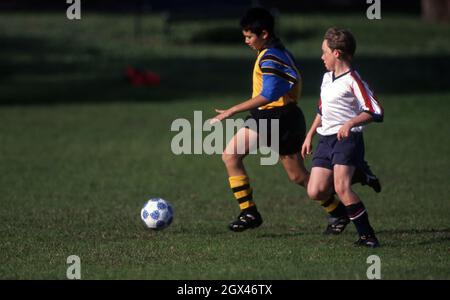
{"points": [[157, 214]]}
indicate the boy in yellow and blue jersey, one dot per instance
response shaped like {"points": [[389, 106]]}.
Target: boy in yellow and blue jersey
{"points": [[276, 89]]}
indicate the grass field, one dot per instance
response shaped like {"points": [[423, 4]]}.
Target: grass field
{"points": [[81, 151]]}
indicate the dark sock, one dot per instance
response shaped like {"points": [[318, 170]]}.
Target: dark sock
{"points": [[358, 215]]}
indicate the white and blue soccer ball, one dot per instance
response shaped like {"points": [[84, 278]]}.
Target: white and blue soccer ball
{"points": [[157, 214]]}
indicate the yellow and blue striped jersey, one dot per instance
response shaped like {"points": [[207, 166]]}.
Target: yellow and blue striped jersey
{"points": [[276, 77]]}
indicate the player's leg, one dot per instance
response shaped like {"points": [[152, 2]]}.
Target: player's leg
{"points": [[320, 184], [297, 173], [239, 146], [347, 154], [295, 169], [353, 205], [342, 184], [322, 189]]}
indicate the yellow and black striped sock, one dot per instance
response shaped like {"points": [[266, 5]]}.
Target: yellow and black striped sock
{"points": [[242, 191], [334, 207]]}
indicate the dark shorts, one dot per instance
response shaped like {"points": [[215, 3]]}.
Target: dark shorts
{"points": [[330, 151], [292, 127]]}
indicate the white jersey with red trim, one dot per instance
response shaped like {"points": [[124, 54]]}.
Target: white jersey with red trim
{"points": [[343, 98]]}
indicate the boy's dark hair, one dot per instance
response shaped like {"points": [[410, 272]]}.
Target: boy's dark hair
{"points": [[341, 39], [258, 19]]}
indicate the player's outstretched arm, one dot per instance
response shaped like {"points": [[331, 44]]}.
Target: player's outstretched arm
{"points": [[244, 106]]}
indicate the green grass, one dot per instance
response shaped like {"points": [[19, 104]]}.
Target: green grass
{"points": [[81, 151], [76, 176]]}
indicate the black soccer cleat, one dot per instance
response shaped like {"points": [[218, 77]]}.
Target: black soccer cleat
{"points": [[336, 225], [370, 179], [373, 182], [246, 220], [370, 241]]}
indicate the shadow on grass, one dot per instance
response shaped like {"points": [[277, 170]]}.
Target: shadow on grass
{"points": [[409, 236], [38, 72], [416, 231], [431, 240]]}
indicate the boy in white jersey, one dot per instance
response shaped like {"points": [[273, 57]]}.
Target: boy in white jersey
{"points": [[346, 104]]}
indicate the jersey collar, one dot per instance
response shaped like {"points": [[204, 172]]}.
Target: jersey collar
{"points": [[343, 74]]}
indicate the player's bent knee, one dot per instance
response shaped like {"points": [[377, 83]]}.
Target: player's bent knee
{"points": [[342, 189], [315, 193]]}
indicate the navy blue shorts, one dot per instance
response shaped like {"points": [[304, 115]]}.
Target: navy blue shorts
{"points": [[330, 151]]}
